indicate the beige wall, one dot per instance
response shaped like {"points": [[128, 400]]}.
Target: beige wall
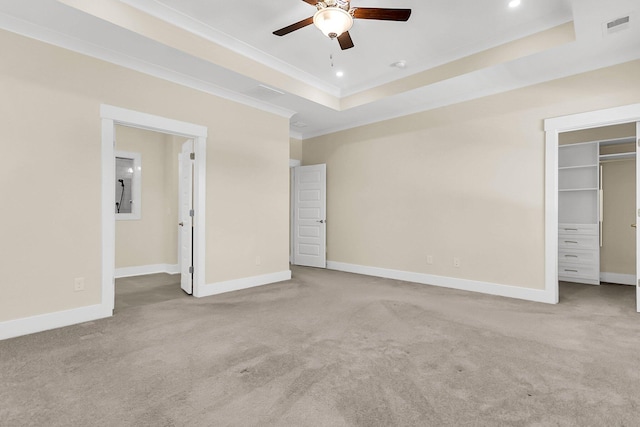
{"points": [[618, 251], [461, 181], [598, 134], [295, 149], [51, 164], [153, 238]]}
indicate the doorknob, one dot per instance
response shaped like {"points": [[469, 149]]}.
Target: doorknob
{"points": [[633, 225], [181, 224], [321, 221]]}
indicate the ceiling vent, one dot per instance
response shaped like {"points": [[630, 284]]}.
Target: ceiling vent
{"points": [[263, 92], [616, 25]]}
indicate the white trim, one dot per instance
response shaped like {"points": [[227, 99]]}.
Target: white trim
{"points": [[292, 214], [151, 122], [143, 270], [528, 294], [552, 127], [115, 115], [292, 219], [205, 31], [45, 322], [45, 35], [621, 279], [107, 296], [592, 119], [199, 220], [244, 283], [551, 215]]}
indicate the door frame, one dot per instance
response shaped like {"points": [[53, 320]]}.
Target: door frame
{"points": [[185, 218], [112, 116], [553, 127], [292, 186]]}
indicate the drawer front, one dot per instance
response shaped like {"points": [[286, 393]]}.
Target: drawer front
{"points": [[578, 257], [578, 271], [570, 229], [578, 242]]}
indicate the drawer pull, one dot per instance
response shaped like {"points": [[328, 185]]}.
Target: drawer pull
{"points": [[571, 241], [570, 229], [571, 256], [573, 271]]}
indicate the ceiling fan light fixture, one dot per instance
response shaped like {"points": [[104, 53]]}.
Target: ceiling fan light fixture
{"points": [[332, 21]]}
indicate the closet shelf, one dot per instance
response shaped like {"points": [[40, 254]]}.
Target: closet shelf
{"points": [[578, 189], [618, 156], [577, 167]]}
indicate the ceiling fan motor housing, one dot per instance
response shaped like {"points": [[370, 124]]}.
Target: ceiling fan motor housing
{"points": [[342, 4]]}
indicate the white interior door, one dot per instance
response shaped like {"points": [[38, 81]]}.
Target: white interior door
{"points": [[637, 217], [309, 207], [185, 217]]}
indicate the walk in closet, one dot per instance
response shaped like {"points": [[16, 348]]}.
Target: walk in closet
{"points": [[595, 227]]}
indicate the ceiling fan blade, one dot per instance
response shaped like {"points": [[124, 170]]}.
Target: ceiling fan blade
{"points": [[382, 14], [311, 2], [345, 41], [291, 28]]}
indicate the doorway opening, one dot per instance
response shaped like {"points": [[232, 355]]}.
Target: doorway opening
{"points": [[554, 128], [596, 212], [156, 240], [114, 116]]}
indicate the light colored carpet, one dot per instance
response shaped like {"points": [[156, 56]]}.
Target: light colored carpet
{"points": [[335, 349]]}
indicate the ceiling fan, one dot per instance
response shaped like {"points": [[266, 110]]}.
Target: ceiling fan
{"points": [[335, 18]]}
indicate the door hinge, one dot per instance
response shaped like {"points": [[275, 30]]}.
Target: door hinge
{"points": [[191, 212], [192, 156], [191, 270]]}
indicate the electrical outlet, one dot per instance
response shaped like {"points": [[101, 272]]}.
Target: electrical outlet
{"points": [[456, 262], [78, 284], [258, 260], [429, 259]]}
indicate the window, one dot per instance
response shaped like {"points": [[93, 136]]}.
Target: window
{"points": [[128, 185]]}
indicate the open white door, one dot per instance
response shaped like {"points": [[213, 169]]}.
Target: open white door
{"points": [[309, 207], [637, 217], [185, 217]]}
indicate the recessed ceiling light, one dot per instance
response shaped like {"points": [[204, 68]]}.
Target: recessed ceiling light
{"points": [[514, 3], [339, 73]]}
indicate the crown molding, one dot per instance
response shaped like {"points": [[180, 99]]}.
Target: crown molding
{"points": [[199, 28], [45, 35]]}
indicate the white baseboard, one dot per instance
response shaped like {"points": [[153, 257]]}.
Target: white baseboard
{"points": [[622, 279], [45, 322], [528, 294], [142, 270], [244, 283]]}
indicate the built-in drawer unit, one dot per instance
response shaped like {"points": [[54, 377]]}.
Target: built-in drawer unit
{"points": [[578, 272], [577, 257], [577, 242], [570, 229], [579, 253]]}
